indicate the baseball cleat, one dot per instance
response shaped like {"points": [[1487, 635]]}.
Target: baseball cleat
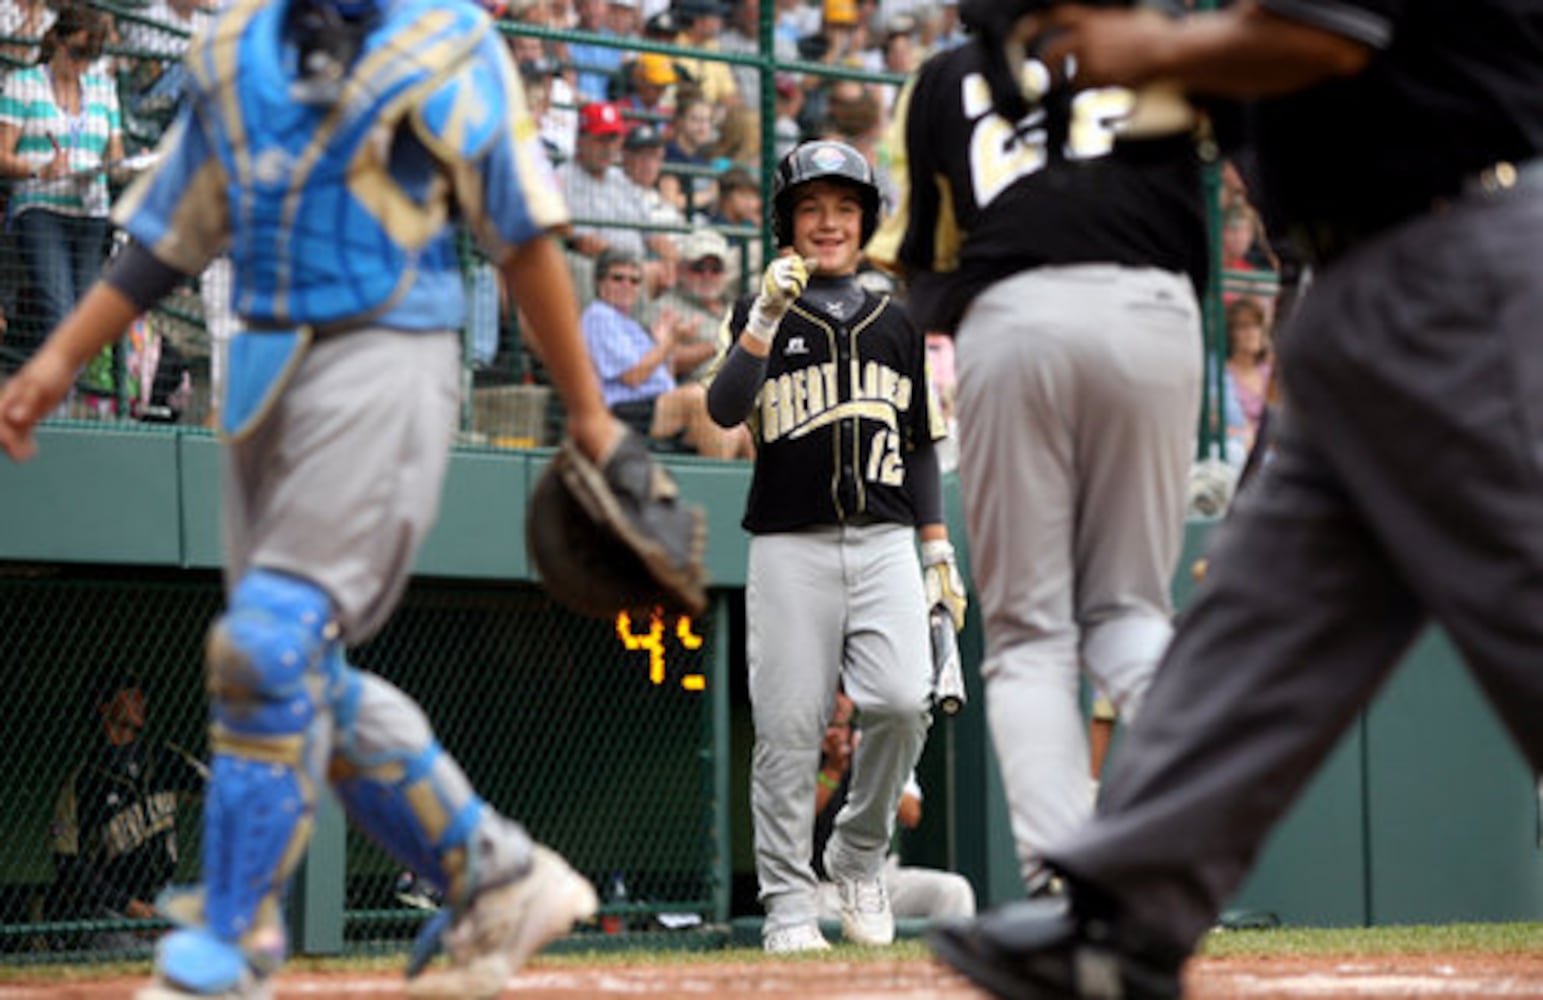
{"points": [[504, 926], [192, 962], [795, 939], [866, 917]]}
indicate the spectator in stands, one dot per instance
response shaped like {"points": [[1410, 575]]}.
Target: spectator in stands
{"points": [[113, 836], [155, 75], [650, 93], [1248, 374], [703, 23], [560, 123], [896, 53], [744, 37], [539, 75], [597, 190], [24, 19], [642, 160], [635, 365], [594, 65], [623, 19], [698, 302], [842, 37], [947, 31], [739, 138], [790, 105], [914, 893], [796, 20], [690, 146], [739, 204], [60, 130]]}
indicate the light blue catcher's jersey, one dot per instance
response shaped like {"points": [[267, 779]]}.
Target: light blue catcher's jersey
{"points": [[339, 215]]}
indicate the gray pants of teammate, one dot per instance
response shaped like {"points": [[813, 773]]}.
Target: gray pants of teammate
{"points": [[847, 604], [339, 485], [1407, 482], [1078, 397]]}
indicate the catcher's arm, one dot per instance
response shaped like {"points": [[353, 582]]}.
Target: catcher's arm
{"points": [[42, 383]]}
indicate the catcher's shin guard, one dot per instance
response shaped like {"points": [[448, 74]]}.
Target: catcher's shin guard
{"points": [[268, 662], [411, 797]]}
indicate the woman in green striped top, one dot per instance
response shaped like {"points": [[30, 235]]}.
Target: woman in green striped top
{"points": [[59, 132]]}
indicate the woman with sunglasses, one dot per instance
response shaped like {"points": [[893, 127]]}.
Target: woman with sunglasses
{"points": [[59, 130], [636, 365]]}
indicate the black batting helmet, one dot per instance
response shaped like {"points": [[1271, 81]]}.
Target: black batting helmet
{"points": [[822, 159]]}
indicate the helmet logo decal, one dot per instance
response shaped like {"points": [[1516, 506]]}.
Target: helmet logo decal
{"points": [[828, 158]]}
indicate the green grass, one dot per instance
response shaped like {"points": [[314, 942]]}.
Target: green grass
{"points": [[1375, 940], [1285, 942]]}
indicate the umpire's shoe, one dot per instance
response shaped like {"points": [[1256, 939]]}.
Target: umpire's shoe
{"points": [[1040, 950]]}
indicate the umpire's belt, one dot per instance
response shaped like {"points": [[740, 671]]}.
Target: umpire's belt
{"points": [[1321, 242]]}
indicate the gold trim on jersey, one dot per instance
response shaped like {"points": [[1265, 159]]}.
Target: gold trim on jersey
{"points": [[404, 220]]}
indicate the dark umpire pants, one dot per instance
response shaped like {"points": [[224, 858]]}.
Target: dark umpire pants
{"points": [[1407, 485]]}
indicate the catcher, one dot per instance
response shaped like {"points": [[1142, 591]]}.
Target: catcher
{"points": [[331, 186]]}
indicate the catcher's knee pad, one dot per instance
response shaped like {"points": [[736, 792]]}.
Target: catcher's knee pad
{"points": [[400, 786], [269, 658]]}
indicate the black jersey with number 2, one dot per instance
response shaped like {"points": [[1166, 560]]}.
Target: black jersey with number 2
{"points": [[1054, 188]]}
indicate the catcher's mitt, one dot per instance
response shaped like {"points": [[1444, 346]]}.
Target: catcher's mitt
{"points": [[616, 538]]}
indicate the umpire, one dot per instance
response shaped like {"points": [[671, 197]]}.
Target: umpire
{"points": [[1400, 138]]}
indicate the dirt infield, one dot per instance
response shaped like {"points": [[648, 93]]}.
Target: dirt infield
{"points": [[1466, 976]]}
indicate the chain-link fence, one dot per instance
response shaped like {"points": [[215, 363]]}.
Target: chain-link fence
{"points": [[602, 750]]}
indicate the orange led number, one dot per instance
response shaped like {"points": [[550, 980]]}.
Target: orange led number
{"points": [[653, 641]]}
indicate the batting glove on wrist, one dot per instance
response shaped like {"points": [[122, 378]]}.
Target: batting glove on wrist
{"points": [[940, 573], [782, 283]]}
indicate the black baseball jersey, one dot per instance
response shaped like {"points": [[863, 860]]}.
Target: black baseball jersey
{"points": [[844, 401], [114, 829], [1451, 89], [983, 198]]}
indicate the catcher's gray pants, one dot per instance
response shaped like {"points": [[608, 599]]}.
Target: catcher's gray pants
{"points": [[829, 604], [339, 485], [1407, 481], [1079, 392]]}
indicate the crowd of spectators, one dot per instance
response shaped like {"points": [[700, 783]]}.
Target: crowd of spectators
{"points": [[656, 152]]}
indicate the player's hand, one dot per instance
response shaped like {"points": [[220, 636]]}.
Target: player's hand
{"points": [[140, 910], [29, 396], [940, 573], [1109, 47], [782, 283]]}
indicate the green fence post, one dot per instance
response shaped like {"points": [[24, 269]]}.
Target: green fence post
{"points": [[316, 898], [718, 767]]}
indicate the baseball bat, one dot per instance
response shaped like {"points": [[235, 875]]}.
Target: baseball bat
{"points": [[947, 676]]}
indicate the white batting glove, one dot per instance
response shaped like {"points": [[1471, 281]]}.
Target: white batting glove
{"points": [[940, 573], [781, 284]]}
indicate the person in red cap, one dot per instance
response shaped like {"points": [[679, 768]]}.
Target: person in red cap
{"points": [[598, 191]]}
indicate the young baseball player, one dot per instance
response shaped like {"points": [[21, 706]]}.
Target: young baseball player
{"points": [[1067, 264], [327, 143], [1404, 485], [833, 381]]}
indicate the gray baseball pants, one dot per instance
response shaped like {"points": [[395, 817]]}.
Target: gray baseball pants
{"points": [[1407, 483], [826, 605], [1079, 392], [339, 485]]}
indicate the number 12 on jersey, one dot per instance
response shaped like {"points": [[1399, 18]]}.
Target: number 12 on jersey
{"points": [[884, 459]]}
